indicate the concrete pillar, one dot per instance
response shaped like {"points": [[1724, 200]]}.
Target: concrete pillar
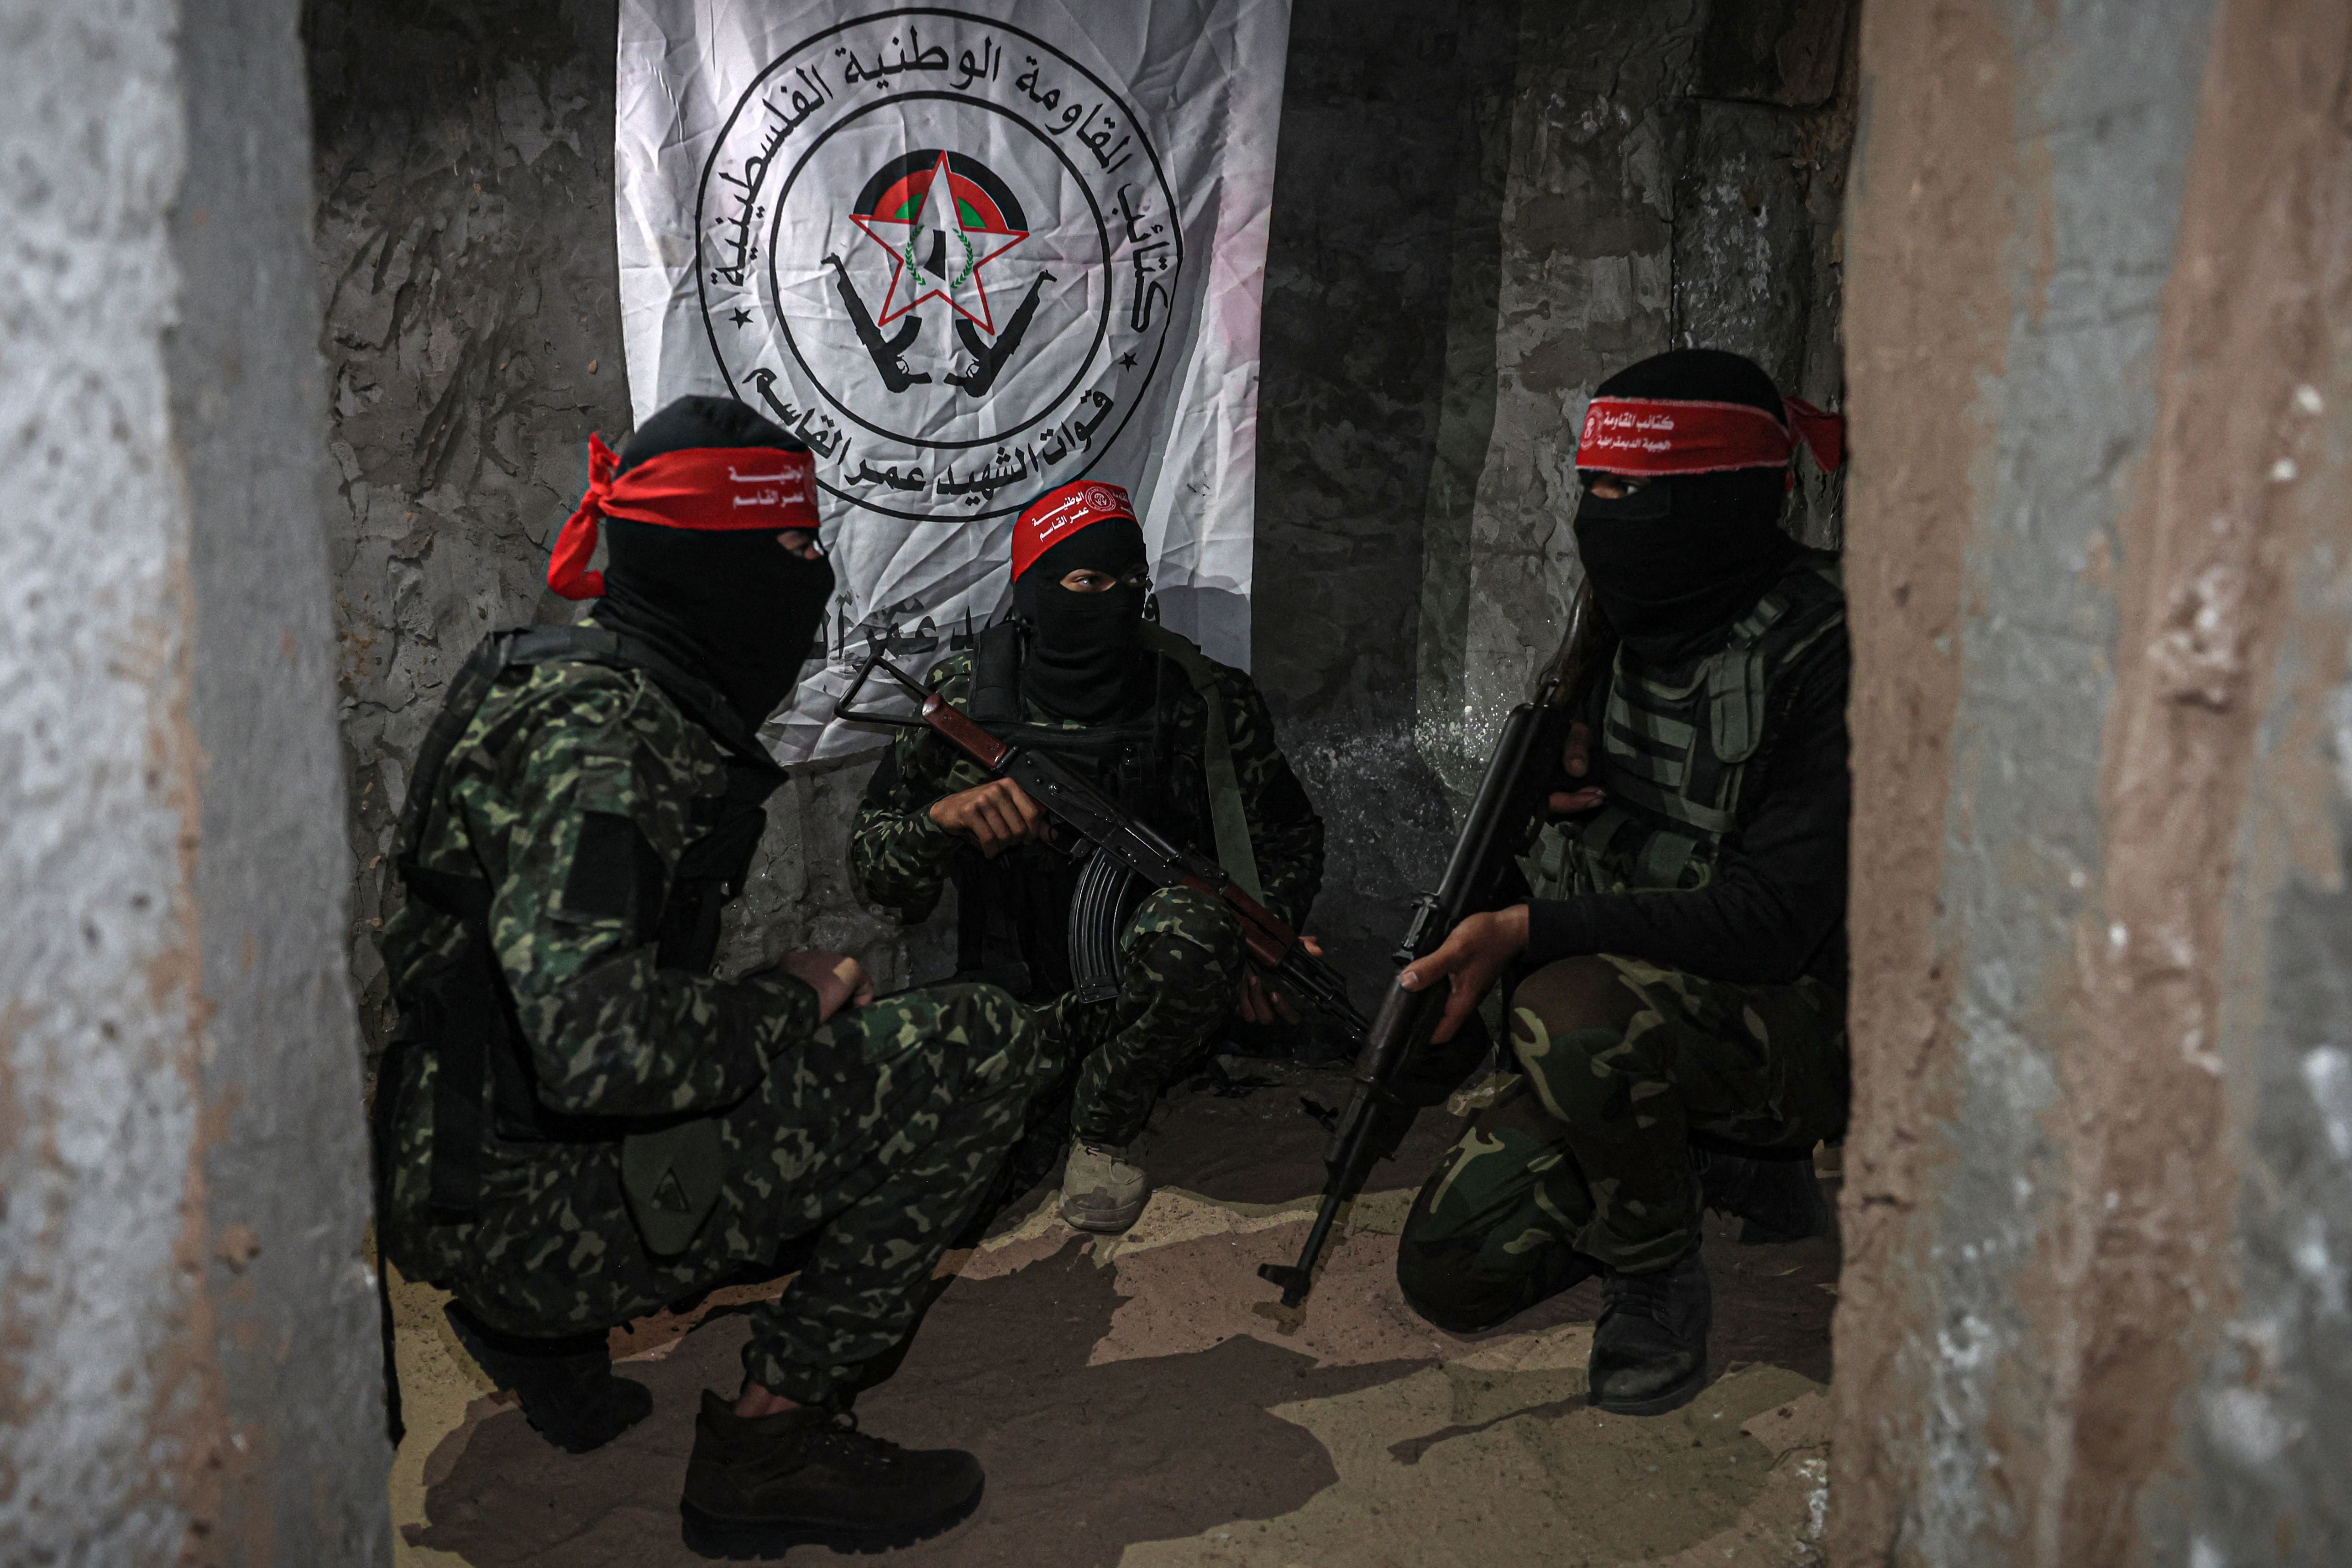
{"points": [[188, 1368], [2099, 1196]]}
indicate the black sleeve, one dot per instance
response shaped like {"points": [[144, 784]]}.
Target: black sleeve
{"points": [[1778, 891]]}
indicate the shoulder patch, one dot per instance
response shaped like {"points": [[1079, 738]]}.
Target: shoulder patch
{"points": [[616, 875]]}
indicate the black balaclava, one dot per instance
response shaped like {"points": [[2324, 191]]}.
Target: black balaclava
{"points": [[1674, 564], [735, 607], [1082, 655]]}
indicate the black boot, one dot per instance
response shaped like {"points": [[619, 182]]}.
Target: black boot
{"points": [[566, 1387], [1649, 1350], [760, 1484], [1777, 1200]]}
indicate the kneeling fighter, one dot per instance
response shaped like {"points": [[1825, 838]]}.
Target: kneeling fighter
{"points": [[579, 1122], [1182, 741], [1680, 1024]]}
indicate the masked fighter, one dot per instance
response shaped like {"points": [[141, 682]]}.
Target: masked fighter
{"points": [[579, 1122], [1184, 742], [1683, 957]]}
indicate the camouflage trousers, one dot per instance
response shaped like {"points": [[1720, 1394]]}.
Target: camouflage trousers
{"points": [[1184, 957], [1621, 1064], [880, 1135]]}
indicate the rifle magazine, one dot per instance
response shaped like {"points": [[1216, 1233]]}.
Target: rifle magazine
{"points": [[1099, 913]]}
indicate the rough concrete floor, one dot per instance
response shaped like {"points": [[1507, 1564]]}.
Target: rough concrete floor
{"points": [[1141, 1401]]}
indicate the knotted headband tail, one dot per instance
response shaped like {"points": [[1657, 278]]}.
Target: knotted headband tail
{"points": [[1823, 433], [710, 488], [575, 546]]}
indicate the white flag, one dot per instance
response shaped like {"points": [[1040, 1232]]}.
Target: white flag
{"points": [[971, 255]]}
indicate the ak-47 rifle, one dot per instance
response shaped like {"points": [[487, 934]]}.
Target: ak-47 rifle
{"points": [[1519, 776], [1118, 839]]}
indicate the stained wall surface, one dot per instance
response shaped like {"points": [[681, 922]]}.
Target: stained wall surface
{"points": [[2099, 1191], [188, 1347]]}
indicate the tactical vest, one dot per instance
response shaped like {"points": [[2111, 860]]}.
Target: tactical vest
{"points": [[461, 1010], [1010, 915], [1675, 747]]}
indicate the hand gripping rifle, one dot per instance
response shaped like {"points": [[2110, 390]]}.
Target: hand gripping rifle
{"points": [[1519, 776], [1117, 839]]}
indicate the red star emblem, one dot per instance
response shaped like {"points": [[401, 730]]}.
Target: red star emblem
{"points": [[935, 255]]}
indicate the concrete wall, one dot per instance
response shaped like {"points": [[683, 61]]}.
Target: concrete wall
{"points": [[2099, 1196], [188, 1358]]}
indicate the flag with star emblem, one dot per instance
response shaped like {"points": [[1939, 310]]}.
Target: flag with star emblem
{"points": [[968, 253]]}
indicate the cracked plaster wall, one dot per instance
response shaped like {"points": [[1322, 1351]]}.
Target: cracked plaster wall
{"points": [[188, 1352]]}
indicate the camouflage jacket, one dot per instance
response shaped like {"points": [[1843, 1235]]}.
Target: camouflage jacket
{"points": [[573, 794], [902, 858]]}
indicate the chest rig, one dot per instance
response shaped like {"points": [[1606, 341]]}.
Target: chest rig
{"points": [[461, 1010], [1677, 746], [1014, 914]]}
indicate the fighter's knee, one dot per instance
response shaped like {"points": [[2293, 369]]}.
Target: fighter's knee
{"points": [[1438, 1281], [1188, 917], [1570, 994], [1569, 1025], [987, 1017]]}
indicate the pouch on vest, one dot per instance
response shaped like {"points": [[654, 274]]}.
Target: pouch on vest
{"points": [[671, 1175], [671, 1178], [1675, 746]]}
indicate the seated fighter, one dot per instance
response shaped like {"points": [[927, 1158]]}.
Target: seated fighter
{"points": [[1679, 1018], [579, 1122], [1181, 741]]}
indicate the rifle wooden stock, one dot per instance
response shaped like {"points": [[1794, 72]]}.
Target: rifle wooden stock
{"points": [[963, 734]]}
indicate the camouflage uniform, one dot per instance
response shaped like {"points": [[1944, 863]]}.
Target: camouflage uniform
{"points": [[1183, 950], [573, 796], [1621, 1064]]}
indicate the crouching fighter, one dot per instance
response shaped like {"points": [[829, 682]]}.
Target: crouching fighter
{"points": [[1182, 741], [1682, 960], [579, 1122]]}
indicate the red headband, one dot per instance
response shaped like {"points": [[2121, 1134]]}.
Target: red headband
{"points": [[1650, 436], [1059, 513], [707, 487]]}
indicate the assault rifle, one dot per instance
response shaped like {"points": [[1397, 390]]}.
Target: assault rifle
{"points": [[1508, 806], [1119, 850]]}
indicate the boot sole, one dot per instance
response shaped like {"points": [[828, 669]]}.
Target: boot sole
{"points": [[1105, 1223], [1673, 1398], [754, 1540]]}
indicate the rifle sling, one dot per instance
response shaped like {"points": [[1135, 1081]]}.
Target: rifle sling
{"points": [[1227, 813]]}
